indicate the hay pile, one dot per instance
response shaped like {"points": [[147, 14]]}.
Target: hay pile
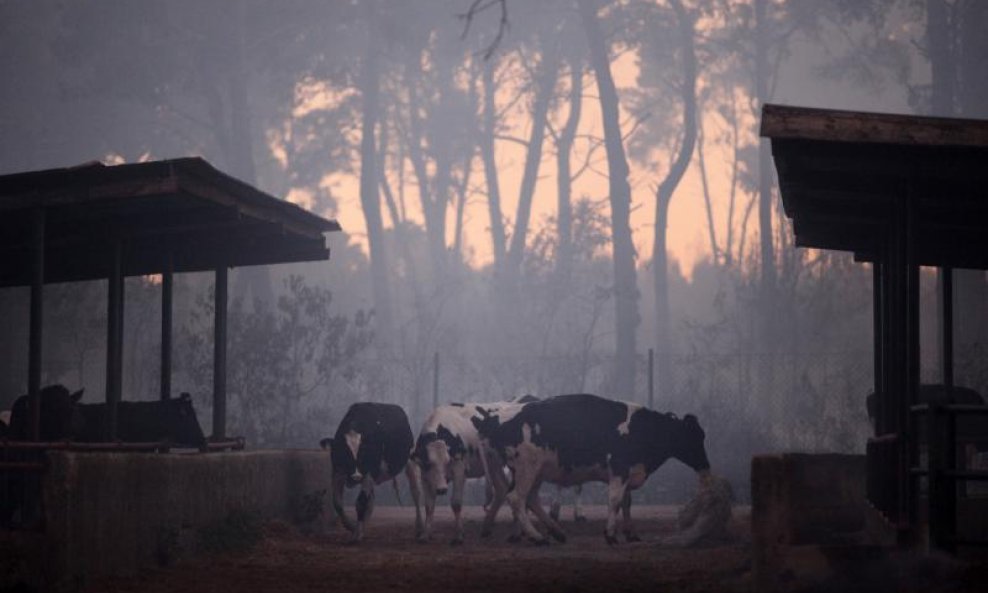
{"points": [[705, 517]]}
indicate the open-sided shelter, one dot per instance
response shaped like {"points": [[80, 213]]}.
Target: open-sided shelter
{"points": [[107, 222], [900, 192]]}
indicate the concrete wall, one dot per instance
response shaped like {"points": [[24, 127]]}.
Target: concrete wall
{"points": [[808, 516], [116, 513]]}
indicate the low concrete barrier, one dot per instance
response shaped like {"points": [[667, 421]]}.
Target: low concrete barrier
{"points": [[808, 518], [115, 513]]}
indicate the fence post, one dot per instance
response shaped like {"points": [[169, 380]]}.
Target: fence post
{"points": [[651, 378], [435, 380]]}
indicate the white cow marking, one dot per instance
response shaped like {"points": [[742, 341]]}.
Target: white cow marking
{"points": [[623, 427], [353, 442]]}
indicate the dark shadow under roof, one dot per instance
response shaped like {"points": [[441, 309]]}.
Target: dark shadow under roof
{"points": [[844, 175], [182, 209]]}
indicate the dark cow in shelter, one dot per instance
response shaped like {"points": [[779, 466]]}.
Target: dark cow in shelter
{"points": [[971, 430], [64, 418], [372, 445], [59, 415], [170, 420], [572, 439]]}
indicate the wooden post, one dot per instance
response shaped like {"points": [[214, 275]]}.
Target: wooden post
{"points": [[878, 339], [35, 338], [947, 327], [651, 378], [911, 360], [942, 432], [219, 354], [435, 380], [114, 340], [166, 329]]}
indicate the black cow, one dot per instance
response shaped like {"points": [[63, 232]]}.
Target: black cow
{"points": [[572, 439], [170, 420], [970, 429], [59, 415], [933, 393], [372, 445]]}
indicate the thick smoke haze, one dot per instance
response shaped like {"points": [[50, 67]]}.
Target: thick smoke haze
{"points": [[530, 208]]}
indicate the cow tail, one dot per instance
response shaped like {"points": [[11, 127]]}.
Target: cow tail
{"points": [[394, 482]]}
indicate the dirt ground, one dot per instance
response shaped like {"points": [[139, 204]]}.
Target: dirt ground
{"points": [[390, 559]]}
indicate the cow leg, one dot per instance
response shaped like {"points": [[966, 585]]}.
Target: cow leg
{"points": [[557, 504], [536, 506], [365, 506], [497, 485], [629, 529], [456, 499], [339, 481], [578, 516], [488, 495], [615, 496], [525, 477], [414, 475], [430, 509]]}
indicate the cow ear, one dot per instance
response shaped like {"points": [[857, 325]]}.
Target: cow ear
{"points": [[75, 397]]}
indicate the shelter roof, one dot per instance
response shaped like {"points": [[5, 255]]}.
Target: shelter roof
{"points": [[183, 210], [845, 176]]}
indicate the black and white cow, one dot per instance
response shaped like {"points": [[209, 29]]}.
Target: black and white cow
{"points": [[372, 445], [556, 501], [572, 439], [453, 447]]}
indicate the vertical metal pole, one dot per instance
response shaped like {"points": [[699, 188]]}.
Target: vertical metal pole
{"points": [[219, 354], [435, 380], [651, 378], [34, 346], [878, 339], [114, 341], [166, 329], [947, 327], [947, 493], [911, 357]]}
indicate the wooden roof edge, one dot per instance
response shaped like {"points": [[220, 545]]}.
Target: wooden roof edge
{"points": [[194, 166], [198, 166], [810, 123]]}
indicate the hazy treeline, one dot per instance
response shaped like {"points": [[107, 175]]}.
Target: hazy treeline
{"points": [[509, 176]]}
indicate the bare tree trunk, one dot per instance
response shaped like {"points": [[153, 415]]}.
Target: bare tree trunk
{"points": [[434, 196], [768, 272], [240, 154], [462, 193], [971, 286], [663, 197], [370, 199], [490, 167], [545, 84], [625, 282], [564, 181], [942, 66], [707, 202], [400, 231]]}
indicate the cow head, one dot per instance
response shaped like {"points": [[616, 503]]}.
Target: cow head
{"points": [[183, 426], [432, 455], [349, 454], [60, 415], [688, 444]]}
